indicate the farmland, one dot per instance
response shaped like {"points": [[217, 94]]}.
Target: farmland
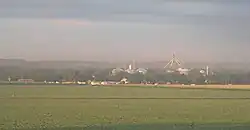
{"points": [[122, 108]]}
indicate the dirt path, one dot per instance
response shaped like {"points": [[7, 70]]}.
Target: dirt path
{"points": [[195, 86]]}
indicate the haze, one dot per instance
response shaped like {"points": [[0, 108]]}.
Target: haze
{"points": [[119, 30]]}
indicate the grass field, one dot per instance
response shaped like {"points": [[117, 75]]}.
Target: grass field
{"points": [[123, 108]]}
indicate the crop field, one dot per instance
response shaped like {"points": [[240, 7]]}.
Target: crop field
{"points": [[123, 108]]}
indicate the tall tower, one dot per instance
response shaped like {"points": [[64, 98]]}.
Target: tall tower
{"points": [[130, 67], [133, 67], [207, 70], [173, 61]]}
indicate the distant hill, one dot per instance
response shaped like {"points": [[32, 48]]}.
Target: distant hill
{"points": [[12, 62], [54, 64], [95, 64], [70, 64]]}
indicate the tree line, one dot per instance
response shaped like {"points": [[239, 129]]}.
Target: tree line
{"points": [[159, 76]]}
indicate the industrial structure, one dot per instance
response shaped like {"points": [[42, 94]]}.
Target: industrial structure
{"points": [[173, 61], [131, 69], [174, 65], [206, 71]]}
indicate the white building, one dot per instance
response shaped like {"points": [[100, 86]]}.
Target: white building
{"points": [[131, 70]]}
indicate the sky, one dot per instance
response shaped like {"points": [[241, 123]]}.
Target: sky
{"points": [[121, 30]]}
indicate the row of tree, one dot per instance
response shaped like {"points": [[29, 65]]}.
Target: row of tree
{"points": [[194, 76]]}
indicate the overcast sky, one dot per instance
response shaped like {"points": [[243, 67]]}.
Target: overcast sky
{"points": [[146, 30]]}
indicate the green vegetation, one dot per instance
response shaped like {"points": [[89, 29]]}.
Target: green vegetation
{"points": [[79, 107], [39, 75]]}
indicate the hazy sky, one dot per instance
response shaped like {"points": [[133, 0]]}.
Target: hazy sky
{"points": [[195, 30]]}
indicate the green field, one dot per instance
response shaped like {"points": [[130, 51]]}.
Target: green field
{"points": [[123, 108]]}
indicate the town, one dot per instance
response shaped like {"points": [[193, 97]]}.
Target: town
{"points": [[174, 72]]}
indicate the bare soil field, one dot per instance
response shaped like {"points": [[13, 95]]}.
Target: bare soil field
{"points": [[194, 86], [213, 86]]}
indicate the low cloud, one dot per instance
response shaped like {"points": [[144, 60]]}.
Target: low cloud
{"points": [[124, 10], [73, 22]]}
